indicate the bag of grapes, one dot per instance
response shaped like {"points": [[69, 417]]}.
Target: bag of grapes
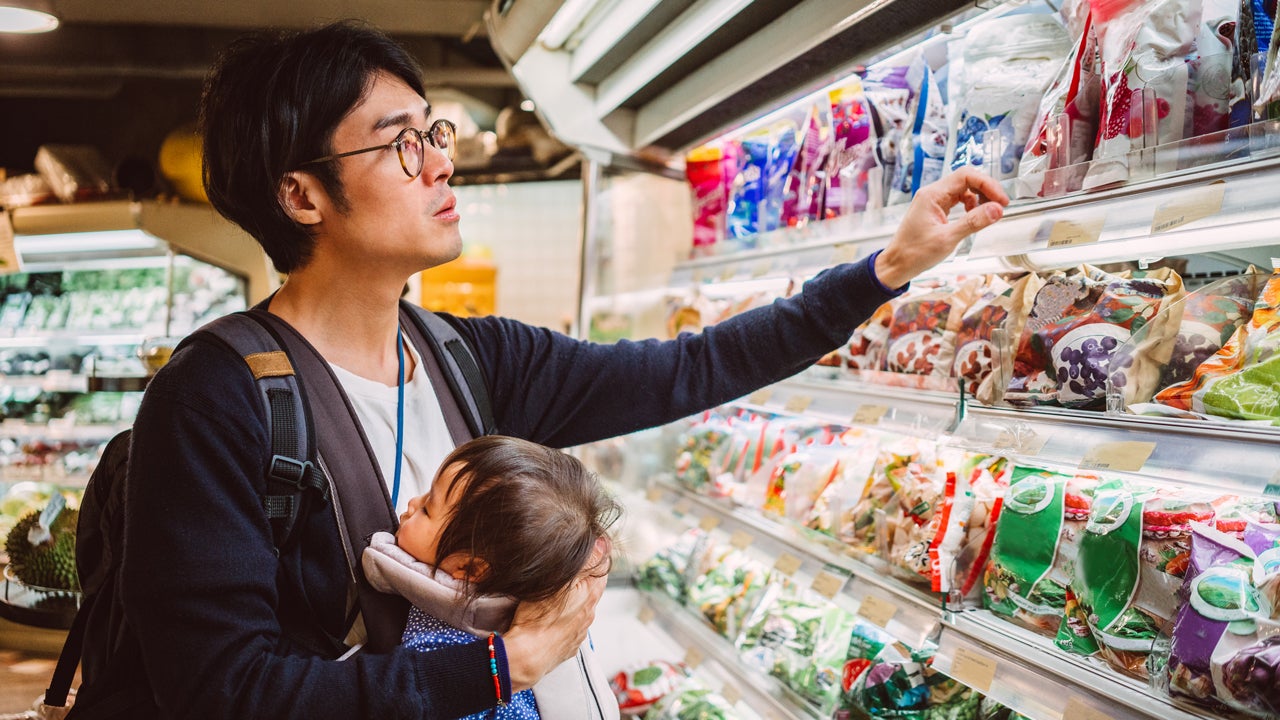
{"points": [[1242, 380], [1076, 328]]}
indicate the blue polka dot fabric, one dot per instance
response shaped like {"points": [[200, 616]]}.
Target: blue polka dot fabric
{"points": [[425, 633]]}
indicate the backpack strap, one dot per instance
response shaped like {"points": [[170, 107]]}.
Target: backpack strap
{"points": [[361, 503], [451, 359], [290, 473]]}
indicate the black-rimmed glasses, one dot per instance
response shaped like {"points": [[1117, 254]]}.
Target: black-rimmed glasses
{"points": [[410, 145]]}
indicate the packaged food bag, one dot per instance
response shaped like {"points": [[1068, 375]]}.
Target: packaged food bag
{"points": [[923, 150], [922, 332], [1034, 552], [1067, 119], [784, 143], [870, 341], [746, 191], [1143, 45], [989, 332], [726, 594], [1130, 563], [851, 126], [858, 450], [1223, 652], [707, 169], [820, 679], [888, 96], [864, 525], [961, 547], [782, 634], [1210, 316], [1217, 72], [1007, 65], [692, 701], [638, 687], [865, 643], [1242, 380], [753, 443], [803, 199], [672, 569], [701, 447], [1077, 325]]}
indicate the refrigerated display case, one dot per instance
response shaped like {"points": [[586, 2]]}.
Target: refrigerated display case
{"points": [[637, 87], [99, 294]]}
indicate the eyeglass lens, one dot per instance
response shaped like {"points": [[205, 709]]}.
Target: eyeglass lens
{"points": [[410, 145]]}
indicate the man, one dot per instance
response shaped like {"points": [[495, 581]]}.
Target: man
{"points": [[321, 146]]}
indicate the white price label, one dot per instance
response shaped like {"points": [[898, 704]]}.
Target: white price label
{"points": [[787, 564], [877, 611], [827, 584], [1196, 205], [1068, 233], [869, 414], [975, 669]]}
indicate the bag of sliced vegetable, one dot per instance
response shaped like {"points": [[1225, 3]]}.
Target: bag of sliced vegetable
{"points": [[1077, 325], [671, 569], [857, 459], [1242, 380], [1034, 552], [783, 633], [727, 593], [1130, 563], [638, 687], [701, 446], [692, 701], [862, 525], [1225, 650], [958, 554]]}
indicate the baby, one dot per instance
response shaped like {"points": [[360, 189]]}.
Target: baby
{"points": [[506, 521]]}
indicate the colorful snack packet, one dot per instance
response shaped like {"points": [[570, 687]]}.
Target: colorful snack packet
{"points": [[851, 126], [706, 169], [923, 150]]}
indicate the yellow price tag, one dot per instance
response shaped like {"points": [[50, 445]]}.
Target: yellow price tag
{"points": [[761, 397], [1128, 456], [762, 268], [728, 272], [709, 523], [654, 494], [682, 507], [1068, 233], [787, 564], [1077, 710], [693, 657], [869, 414], [974, 669], [798, 403], [741, 539], [646, 614], [876, 611], [1196, 205], [827, 584], [844, 253], [731, 694]]}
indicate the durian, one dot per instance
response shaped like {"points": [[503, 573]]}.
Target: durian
{"points": [[50, 564]]}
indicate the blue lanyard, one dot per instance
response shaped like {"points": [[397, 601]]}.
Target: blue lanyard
{"points": [[395, 485]]}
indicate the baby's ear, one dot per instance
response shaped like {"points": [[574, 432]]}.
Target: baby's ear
{"points": [[461, 566]]}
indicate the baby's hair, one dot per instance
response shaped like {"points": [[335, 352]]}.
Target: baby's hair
{"points": [[531, 513]]}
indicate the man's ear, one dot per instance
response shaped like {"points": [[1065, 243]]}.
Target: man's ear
{"points": [[298, 194], [461, 566]]}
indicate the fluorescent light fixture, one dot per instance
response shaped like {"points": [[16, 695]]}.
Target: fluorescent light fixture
{"points": [[27, 16], [100, 241], [567, 19]]}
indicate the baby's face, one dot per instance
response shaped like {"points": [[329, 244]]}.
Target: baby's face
{"points": [[422, 523]]}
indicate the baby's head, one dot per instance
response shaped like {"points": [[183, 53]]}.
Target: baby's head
{"points": [[511, 517]]}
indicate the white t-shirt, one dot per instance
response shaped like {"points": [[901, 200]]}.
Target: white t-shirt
{"points": [[426, 437]]}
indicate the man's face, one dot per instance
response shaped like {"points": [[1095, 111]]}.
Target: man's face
{"points": [[391, 219]]}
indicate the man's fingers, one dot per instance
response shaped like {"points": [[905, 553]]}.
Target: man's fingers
{"points": [[976, 219], [970, 200], [968, 180]]}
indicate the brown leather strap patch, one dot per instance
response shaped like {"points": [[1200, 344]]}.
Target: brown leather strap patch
{"points": [[269, 364]]}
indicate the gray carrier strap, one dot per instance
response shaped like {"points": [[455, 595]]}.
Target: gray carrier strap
{"points": [[460, 372]]}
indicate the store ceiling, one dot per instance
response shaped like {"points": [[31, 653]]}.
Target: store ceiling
{"points": [[121, 74]]}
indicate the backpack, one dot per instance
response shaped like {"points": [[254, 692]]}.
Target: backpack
{"points": [[301, 421]]}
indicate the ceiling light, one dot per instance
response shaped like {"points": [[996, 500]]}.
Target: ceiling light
{"points": [[27, 16]]}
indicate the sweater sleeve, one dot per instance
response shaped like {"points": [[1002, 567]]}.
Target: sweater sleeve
{"points": [[199, 578], [559, 391]]}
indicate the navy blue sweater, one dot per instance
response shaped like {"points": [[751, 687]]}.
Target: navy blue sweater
{"points": [[223, 622]]}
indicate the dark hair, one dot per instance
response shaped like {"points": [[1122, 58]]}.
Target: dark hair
{"points": [[531, 513], [271, 102]]}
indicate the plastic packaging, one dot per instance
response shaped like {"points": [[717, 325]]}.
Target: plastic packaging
{"points": [[923, 150], [706, 169], [74, 172]]}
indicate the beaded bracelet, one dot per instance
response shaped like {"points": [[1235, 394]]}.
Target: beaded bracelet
{"points": [[493, 668]]}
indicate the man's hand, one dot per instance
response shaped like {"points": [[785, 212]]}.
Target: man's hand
{"points": [[925, 238], [544, 635]]}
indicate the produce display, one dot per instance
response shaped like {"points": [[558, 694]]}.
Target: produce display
{"points": [[41, 548]]}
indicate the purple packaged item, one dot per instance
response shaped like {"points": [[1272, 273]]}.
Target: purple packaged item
{"points": [[1225, 650]]}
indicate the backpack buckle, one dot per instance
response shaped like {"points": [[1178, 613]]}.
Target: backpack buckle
{"points": [[290, 470]]}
